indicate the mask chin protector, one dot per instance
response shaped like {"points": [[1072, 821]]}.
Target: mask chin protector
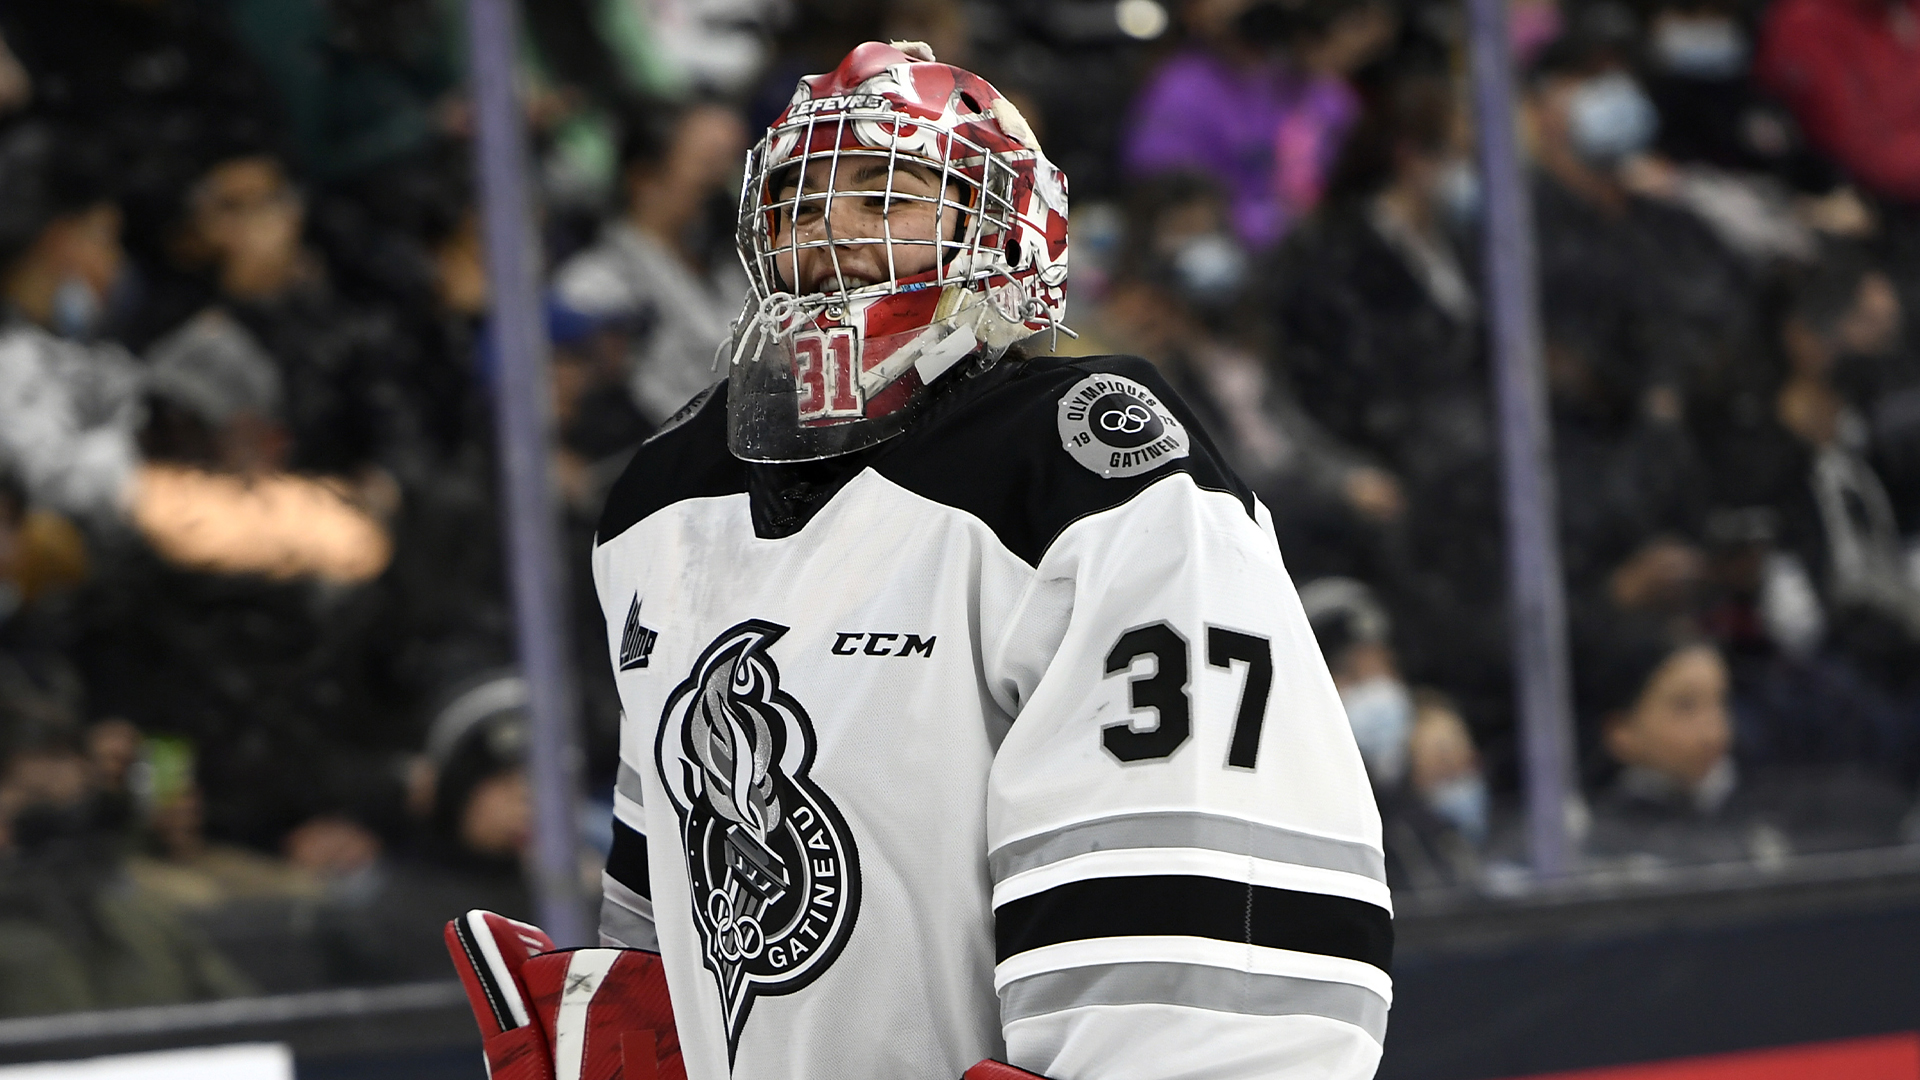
{"points": [[806, 383]]}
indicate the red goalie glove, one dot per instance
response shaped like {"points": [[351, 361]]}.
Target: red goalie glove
{"points": [[575, 1014]]}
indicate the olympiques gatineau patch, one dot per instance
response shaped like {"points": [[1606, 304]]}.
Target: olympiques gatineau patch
{"points": [[771, 865], [1116, 427]]}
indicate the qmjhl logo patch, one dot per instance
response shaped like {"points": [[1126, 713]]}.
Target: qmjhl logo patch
{"points": [[636, 641], [772, 870]]}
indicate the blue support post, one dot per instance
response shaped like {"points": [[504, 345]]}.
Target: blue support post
{"points": [[1537, 599], [529, 511]]}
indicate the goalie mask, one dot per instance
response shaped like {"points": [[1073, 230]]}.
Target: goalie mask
{"points": [[899, 224]]}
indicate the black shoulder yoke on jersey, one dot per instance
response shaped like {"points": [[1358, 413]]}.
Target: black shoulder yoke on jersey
{"points": [[686, 459], [992, 449]]}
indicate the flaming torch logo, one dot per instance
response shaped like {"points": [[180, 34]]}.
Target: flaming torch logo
{"points": [[771, 865]]}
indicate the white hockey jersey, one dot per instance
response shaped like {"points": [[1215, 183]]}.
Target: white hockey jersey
{"points": [[1007, 738]]}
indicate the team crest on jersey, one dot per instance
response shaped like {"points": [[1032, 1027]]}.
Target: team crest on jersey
{"points": [[774, 876], [1116, 427]]}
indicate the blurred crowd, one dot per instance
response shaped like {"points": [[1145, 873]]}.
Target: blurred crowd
{"points": [[258, 724]]}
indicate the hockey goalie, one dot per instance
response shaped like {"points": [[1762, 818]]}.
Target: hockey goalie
{"points": [[972, 724]]}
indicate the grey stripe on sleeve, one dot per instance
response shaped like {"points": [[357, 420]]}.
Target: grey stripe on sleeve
{"points": [[1185, 829], [626, 917], [1196, 986], [627, 782]]}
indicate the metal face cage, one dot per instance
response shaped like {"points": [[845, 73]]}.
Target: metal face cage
{"points": [[783, 190]]}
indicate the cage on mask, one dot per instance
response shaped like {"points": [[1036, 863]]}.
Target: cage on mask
{"points": [[897, 219]]}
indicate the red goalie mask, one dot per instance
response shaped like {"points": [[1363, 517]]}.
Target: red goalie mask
{"points": [[897, 220]]}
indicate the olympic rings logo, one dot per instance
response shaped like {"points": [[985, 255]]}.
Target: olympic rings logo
{"points": [[1131, 420], [735, 937]]}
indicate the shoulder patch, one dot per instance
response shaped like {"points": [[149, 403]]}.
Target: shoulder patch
{"points": [[996, 450], [1116, 427]]}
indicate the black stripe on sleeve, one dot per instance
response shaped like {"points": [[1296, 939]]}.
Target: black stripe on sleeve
{"points": [[1189, 906], [627, 862]]}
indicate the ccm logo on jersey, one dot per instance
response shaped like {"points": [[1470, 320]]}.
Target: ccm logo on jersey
{"points": [[883, 645], [1116, 427]]}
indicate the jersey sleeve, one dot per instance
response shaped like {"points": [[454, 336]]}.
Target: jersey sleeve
{"points": [[626, 893], [1185, 854]]}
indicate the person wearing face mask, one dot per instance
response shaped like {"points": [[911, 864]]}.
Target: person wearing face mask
{"points": [[1639, 296], [1712, 112], [1375, 305], [68, 403], [1179, 300], [667, 261], [1426, 774]]}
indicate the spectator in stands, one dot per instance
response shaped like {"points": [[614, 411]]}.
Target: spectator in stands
{"points": [[1639, 297], [1712, 110], [597, 421], [68, 404], [1794, 446], [474, 812], [1332, 40], [1426, 773], [1796, 703], [402, 249], [1850, 71], [178, 864], [272, 681], [1642, 303], [73, 935], [1729, 152], [1376, 309], [482, 808], [1178, 302], [669, 259], [1376, 315], [1264, 124], [337, 360], [1659, 705], [246, 622]]}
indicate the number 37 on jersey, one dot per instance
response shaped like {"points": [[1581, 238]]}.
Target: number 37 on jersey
{"points": [[1157, 660]]}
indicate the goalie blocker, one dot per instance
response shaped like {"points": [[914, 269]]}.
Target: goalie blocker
{"points": [[578, 1014]]}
